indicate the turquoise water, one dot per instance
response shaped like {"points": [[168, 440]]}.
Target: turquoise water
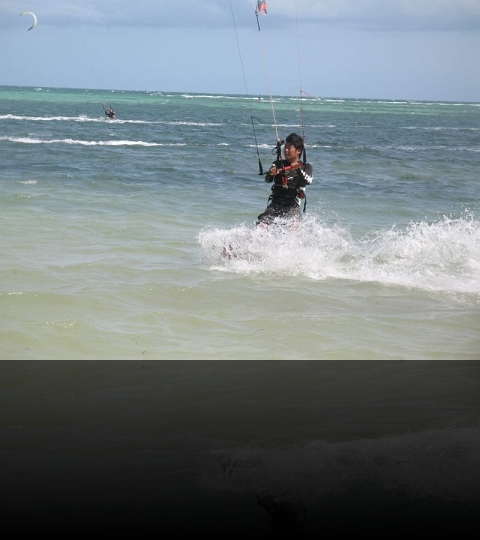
{"points": [[112, 231]]}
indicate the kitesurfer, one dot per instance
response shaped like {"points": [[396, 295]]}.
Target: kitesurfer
{"points": [[290, 176], [110, 113]]}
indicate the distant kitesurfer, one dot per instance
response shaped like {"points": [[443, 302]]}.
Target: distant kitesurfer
{"points": [[290, 177], [110, 113]]}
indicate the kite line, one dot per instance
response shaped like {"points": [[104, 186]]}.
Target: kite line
{"points": [[302, 116], [260, 7], [260, 167]]}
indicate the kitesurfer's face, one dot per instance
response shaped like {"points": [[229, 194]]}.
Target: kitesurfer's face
{"points": [[292, 153]]}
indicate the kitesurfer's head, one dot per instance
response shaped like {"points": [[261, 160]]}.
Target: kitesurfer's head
{"points": [[295, 140]]}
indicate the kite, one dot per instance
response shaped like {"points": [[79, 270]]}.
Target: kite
{"points": [[33, 15], [262, 6]]}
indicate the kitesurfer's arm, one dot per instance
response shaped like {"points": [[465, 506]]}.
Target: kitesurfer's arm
{"points": [[307, 175]]}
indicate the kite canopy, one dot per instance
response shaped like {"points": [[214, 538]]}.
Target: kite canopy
{"points": [[262, 6], [33, 15]]}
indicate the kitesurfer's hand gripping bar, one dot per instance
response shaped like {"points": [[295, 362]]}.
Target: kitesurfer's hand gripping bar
{"points": [[278, 152]]}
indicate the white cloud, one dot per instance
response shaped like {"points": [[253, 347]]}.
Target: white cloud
{"points": [[380, 14], [423, 49], [387, 14], [139, 13]]}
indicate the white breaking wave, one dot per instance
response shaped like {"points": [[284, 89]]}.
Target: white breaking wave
{"points": [[102, 120], [442, 256], [32, 140]]}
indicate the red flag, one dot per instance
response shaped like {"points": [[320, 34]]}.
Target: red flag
{"points": [[262, 7]]}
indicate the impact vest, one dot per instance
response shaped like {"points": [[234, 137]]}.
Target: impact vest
{"points": [[289, 185]]}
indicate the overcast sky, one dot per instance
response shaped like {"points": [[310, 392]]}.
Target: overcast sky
{"points": [[395, 49]]}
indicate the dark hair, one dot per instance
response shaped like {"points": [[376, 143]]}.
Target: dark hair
{"points": [[296, 140]]}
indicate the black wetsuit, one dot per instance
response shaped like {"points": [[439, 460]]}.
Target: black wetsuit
{"points": [[288, 191]]}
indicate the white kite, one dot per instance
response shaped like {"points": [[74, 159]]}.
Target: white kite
{"points": [[33, 15]]}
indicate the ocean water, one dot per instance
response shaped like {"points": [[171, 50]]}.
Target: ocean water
{"points": [[112, 231]]}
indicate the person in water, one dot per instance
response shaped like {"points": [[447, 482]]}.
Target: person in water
{"points": [[290, 176], [110, 113]]}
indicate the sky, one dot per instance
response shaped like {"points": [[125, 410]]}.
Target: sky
{"points": [[364, 49]]}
